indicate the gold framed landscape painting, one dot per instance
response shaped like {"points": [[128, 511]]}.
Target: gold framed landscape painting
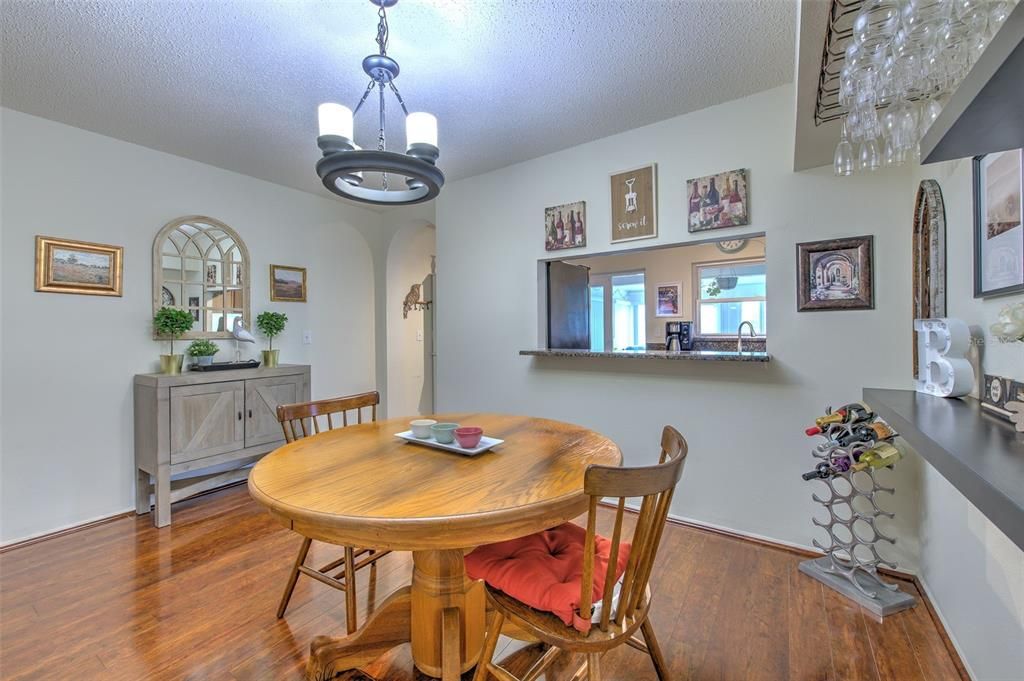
{"points": [[65, 266], [288, 284]]}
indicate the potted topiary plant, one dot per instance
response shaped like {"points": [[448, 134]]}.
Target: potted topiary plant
{"points": [[171, 322], [203, 351], [271, 324]]}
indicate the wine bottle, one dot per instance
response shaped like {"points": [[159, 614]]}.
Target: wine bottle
{"points": [[822, 422], [880, 456], [695, 201], [560, 230], [571, 229], [736, 202], [713, 199], [821, 471], [578, 236]]}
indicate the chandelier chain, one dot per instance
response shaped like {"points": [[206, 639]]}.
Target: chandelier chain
{"points": [[381, 140], [382, 31]]}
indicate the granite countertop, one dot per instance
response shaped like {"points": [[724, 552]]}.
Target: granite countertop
{"points": [[692, 355]]}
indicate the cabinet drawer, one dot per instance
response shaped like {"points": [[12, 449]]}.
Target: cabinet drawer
{"points": [[262, 397], [206, 420]]}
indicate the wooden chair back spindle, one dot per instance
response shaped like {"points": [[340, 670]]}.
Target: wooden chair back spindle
{"points": [[655, 484], [303, 419]]}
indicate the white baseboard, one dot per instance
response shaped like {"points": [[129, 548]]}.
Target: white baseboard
{"points": [[929, 594], [69, 526]]}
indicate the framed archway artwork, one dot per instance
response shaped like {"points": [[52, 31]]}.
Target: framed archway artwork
{"points": [[835, 274]]}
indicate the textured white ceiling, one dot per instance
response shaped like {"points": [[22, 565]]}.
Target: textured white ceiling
{"points": [[235, 83]]}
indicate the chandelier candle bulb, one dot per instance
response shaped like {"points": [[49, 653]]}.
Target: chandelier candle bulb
{"points": [[335, 119], [420, 128]]}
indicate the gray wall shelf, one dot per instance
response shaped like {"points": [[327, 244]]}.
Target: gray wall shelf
{"points": [[979, 454]]}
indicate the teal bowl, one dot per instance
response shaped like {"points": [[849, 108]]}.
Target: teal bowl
{"points": [[444, 432]]}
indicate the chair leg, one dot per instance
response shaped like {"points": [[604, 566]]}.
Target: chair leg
{"points": [[490, 643], [293, 577], [593, 666], [660, 668], [350, 589]]}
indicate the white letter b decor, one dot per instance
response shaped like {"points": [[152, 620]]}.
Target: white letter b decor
{"points": [[942, 369]]}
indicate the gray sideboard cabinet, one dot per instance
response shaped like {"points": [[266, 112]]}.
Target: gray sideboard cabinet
{"points": [[219, 420]]}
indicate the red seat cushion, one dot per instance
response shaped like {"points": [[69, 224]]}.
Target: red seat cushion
{"points": [[545, 570]]}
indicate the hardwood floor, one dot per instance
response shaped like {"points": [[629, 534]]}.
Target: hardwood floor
{"points": [[196, 601]]}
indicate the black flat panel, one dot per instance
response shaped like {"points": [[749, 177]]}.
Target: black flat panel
{"points": [[568, 306], [979, 454]]}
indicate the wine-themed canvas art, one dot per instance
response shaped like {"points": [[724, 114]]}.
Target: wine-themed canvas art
{"points": [[634, 204], [718, 201], [565, 226]]}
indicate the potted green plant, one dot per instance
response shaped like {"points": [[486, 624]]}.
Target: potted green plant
{"points": [[271, 324], [203, 351], [171, 322]]}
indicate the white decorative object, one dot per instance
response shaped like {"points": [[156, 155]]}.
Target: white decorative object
{"points": [[1016, 410], [1009, 328], [942, 367]]}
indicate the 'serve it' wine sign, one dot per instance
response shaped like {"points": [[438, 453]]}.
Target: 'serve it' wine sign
{"points": [[942, 369]]}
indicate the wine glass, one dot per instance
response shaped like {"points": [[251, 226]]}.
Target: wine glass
{"points": [[868, 155], [843, 159]]}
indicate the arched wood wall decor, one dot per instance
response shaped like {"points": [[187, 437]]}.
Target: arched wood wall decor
{"points": [[929, 254]]}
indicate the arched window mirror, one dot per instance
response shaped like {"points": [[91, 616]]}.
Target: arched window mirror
{"points": [[202, 265]]}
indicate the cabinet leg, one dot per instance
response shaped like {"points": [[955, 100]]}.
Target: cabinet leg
{"points": [[162, 491], [142, 490]]}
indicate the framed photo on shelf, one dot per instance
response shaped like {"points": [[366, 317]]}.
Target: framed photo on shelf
{"points": [[668, 298], [718, 201], [835, 274], [998, 224], [65, 266], [565, 226], [635, 204], [288, 284]]}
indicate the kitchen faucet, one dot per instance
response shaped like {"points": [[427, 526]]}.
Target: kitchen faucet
{"points": [[739, 335]]}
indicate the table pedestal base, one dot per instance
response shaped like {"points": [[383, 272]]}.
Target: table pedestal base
{"points": [[441, 614]]}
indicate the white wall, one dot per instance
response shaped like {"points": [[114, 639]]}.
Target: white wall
{"points": [[410, 380], [744, 421], [973, 572], [68, 360]]}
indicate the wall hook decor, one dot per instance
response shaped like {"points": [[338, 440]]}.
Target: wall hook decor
{"points": [[412, 301]]}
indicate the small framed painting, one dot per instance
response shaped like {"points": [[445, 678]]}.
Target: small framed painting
{"points": [[835, 274], [635, 204], [565, 226], [668, 297], [998, 224], [718, 201], [64, 266], [288, 284]]}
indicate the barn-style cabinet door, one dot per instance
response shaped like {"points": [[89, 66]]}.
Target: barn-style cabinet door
{"points": [[262, 397], [206, 420]]}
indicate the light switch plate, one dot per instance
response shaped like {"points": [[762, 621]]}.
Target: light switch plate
{"points": [[307, 337], [419, 335]]}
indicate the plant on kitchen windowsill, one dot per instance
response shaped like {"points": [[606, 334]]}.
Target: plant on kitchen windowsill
{"points": [[203, 351], [271, 324], [1009, 328], [172, 322]]}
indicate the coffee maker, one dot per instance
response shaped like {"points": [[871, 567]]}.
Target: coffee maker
{"points": [[678, 336]]}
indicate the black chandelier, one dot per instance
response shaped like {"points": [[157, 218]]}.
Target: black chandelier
{"points": [[344, 162]]}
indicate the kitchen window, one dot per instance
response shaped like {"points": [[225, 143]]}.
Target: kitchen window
{"points": [[728, 294]]}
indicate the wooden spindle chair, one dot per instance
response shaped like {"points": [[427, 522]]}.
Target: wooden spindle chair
{"points": [[302, 420], [619, 621]]}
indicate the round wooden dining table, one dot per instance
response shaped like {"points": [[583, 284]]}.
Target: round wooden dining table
{"points": [[362, 486]]}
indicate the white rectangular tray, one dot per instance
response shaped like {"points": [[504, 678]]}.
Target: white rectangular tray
{"points": [[485, 443]]}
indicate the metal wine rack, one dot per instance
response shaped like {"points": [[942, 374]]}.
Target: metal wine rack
{"points": [[850, 564]]}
